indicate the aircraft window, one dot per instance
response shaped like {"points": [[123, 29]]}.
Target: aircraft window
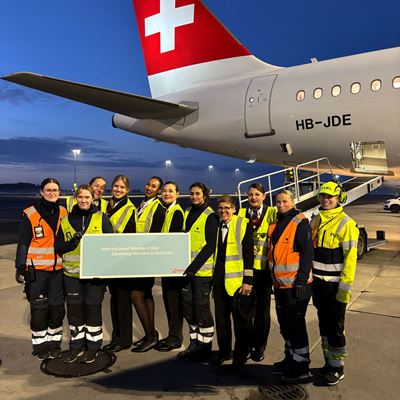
{"points": [[355, 88], [300, 95], [335, 90], [396, 82], [317, 93], [376, 85]]}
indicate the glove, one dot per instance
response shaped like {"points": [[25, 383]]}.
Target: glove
{"points": [[20, 274], [302, 292], [76, 239], [343, 295]]}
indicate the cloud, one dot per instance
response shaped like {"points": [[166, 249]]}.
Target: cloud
{"points": [[34, 151], [17, 95]]}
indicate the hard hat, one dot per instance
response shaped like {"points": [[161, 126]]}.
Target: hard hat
{"points": [[333, 189]]}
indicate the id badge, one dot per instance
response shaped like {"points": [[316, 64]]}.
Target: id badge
{"points": [[38, 231]]}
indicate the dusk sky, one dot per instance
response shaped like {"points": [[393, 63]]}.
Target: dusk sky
{"points": [[96, 42]]}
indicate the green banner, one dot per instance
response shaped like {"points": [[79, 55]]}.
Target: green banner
{"points": [[128, 255]]}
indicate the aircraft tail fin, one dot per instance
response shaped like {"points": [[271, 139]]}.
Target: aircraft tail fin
{"points": [[185, 46]]}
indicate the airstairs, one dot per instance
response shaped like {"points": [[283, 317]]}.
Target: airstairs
{"points": [[304, 181]]}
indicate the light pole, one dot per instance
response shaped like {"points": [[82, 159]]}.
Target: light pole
{"points": [[76, 153], [168, 163], [210, 168]]}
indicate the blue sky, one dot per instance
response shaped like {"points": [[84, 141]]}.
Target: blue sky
{"points": [[96, 42]]}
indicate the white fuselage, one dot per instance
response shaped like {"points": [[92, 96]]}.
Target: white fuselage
{"points": [[249, 116]]}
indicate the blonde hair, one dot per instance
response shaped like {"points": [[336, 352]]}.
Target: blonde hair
{"points": [[84, 187], [287, 193]]}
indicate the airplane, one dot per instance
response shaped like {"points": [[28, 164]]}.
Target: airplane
{"points": [[210, 93]]}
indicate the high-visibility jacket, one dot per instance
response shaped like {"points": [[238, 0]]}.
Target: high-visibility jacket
{"points": [[41, 249], [198, 240], [260, 236], [234, 267], [71, 260], [145, 218], [121, 217], [70, 201], [283, 260], [335, 238], [169, 216]]}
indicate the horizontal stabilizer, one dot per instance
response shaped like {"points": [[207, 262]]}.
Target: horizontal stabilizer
{"points": [[131, 105]]}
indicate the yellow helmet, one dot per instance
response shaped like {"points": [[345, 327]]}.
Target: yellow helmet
{"points": [[333, 189]]}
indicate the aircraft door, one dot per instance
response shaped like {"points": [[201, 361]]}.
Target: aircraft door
{"points": [[257, 107], [369, 157]]}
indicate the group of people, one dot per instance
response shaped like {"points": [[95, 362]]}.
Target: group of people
{"points": [[238, 255]]}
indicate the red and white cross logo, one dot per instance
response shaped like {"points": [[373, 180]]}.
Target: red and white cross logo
{"points": [[166, 21]]}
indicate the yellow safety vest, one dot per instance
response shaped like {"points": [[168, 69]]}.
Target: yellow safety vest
{"points": [[145, 219], [71, 260], [70, 201], [234, 267], [198, 240], [335, 238], [260, 237], [121, 217], [169, 216]]}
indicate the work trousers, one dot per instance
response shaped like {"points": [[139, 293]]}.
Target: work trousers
{"points": [[331, 317], [84, 301], [223, 311], [262, 285], [291, 315], [45, 294], [121, 311], [197, 312], [172, 296]]}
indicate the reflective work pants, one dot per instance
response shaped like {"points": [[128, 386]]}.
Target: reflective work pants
{"points": [[45, 294]]}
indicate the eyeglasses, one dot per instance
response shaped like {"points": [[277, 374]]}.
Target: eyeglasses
{"points": [[224, 208]]}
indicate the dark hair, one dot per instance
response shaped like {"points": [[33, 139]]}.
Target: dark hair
{"points": [[203, 187], [257, 185], [158, 179], [84, 187], [226, 198], [49, 180], [172, 183], [95, 179]]}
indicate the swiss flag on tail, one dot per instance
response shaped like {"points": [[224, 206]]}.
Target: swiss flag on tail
{"points": [[179, 33]]}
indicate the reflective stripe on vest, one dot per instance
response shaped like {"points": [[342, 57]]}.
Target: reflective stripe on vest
{"points": [[283, 260], [234, 266], [70, 202], [71, 260], [198, 240], [169, 216], [145, 219], [121, 217], [260, 237], [328, 239], [41, 251]]}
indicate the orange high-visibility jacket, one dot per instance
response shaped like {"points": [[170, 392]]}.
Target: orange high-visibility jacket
{"points": [[41, 249], [283, 260]]}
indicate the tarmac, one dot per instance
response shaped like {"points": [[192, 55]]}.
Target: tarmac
{"points": [[372, 369]]}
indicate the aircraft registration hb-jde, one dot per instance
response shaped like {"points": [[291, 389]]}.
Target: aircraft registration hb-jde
{"points": [[211, 94]]}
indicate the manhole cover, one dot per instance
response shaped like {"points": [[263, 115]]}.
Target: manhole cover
{"points": [[283, 392], [58, 367]]}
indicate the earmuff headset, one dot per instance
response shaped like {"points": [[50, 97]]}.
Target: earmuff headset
{"points": [[342, 193]]}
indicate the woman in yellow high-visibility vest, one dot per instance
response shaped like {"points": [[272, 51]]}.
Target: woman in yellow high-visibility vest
{"points": [[335, 238], [122, 214], [172, 286], [84, 296], [202, 223]]}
